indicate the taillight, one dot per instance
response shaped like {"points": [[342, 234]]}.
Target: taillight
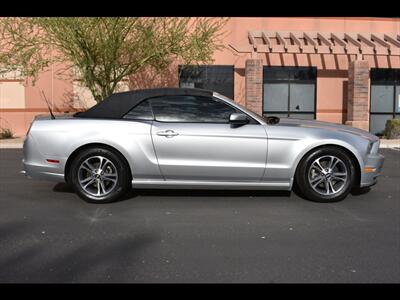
{"points": [[53, 161]]}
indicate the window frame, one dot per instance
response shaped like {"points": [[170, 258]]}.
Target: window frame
{"points": [[395, 82], [231, 67], [289, 81], [179, 122], [132, 119], [252, 121]]}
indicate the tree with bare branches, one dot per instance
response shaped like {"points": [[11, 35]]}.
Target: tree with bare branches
{"points": [[102, 51]]}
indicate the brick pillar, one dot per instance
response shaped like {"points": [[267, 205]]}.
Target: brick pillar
{"points": [[358, 95], [254, 85]]}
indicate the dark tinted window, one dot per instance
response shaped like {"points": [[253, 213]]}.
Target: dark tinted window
{"points": [[190, 109], [215, 78], [142, 111], [304, 73], [276, 73], [289, 73], [385, 76]]}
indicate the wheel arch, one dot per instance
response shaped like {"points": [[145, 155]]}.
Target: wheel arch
{"points": [[93, 145], [353, 156]]}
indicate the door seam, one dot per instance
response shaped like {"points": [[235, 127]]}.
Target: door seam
{"points": [[155, 151]]}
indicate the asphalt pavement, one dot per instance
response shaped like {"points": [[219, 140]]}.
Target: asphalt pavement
{"points": [[48, 234]]}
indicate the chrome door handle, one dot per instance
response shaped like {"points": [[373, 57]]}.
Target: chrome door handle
{"points": [[167, 133]]}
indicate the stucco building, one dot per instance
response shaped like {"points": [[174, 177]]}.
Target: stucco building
{"points": [[343, 70]]}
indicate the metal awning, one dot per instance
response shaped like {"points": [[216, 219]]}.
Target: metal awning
{"points": [[320, 43]]}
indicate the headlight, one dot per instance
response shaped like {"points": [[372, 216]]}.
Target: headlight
{"points": [[373, 147], [369, 148]]}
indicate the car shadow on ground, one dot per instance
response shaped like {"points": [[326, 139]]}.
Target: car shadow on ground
{"points": [[360, 191], [62, 187]]}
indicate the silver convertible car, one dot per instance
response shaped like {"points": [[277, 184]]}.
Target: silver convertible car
{"points": [[196, 139]]}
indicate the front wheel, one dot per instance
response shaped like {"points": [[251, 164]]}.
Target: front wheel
{"points": [[99, 175], [325, 175]]}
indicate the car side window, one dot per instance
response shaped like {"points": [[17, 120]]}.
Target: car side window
{"points": [[142, 111], [190, 109]]}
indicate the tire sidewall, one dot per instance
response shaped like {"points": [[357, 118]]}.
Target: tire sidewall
{"points": [[121, 168], [303, 171]]}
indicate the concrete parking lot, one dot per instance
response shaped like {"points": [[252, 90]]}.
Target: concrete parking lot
{"points": [[48, 234]]}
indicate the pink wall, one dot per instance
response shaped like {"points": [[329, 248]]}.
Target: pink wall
{"points": [[332, 69], [58, 90]]}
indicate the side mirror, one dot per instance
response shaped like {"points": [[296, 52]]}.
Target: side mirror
{"points": [[272, 120], [238, 119]]}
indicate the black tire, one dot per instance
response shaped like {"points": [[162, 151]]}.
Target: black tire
{"points": [[121, 186], [304, 168]]}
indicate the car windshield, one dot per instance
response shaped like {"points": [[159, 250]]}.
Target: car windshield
{"points": [[254, 115]]}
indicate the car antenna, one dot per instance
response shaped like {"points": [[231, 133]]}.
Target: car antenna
{"points": [[48, 106]]}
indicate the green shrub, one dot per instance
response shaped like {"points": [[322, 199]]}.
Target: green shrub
{"points": [[392, 129], [6, 133]]}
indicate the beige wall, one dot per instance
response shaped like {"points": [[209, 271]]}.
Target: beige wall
{"points": [[12, 94], [82, 97], [25, 100]]}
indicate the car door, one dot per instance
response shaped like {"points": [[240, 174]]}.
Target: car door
{"points": [[194, 140]]}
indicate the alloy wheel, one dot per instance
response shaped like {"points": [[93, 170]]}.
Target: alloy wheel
{"points": [[328, 175], [97, 176]]}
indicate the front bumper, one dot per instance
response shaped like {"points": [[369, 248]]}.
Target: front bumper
{"points": [[371, 170]]}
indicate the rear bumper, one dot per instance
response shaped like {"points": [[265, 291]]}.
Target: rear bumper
{"points": [[374, 163], [34, 164], [41, 172]]}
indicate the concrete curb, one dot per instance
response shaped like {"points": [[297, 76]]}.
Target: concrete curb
{"points": [[390, 143], [15, 143], [10, 146], [18, 142]]}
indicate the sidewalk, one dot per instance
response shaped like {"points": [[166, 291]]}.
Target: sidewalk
{"points": [[16, 143], [390, 144]]}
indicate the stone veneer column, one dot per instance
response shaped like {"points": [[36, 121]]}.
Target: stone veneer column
{"points": [[254, 85], [358, 95]]}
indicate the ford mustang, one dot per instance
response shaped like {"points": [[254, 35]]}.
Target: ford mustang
{"points": [[196, 139]]}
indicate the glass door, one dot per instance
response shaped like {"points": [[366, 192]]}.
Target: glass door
{"points": [[385, 98], [289, 92]]}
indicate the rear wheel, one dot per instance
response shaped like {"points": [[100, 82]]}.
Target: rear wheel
{"points": [[325, 175], [99, 175]]}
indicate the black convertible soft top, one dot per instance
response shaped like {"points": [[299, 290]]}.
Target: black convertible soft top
{"points": [[119, 104]]}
